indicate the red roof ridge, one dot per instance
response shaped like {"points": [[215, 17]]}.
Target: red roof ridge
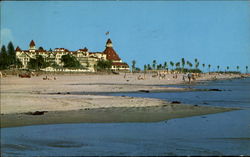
{"points": [[120, 64], [94, 52]]}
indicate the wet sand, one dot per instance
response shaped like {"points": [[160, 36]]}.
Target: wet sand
{"points": [[110, 115]]}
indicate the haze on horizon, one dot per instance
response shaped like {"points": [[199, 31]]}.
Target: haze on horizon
{"points": [[216, 33]]}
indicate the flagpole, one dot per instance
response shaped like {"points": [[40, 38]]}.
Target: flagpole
{"points": [[107, 34]]}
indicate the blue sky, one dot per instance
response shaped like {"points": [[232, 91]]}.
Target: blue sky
{"points": [[217, 33]]}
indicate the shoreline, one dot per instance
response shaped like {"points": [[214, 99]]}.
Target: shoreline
{"points": [[111, 115], [78, 98]]}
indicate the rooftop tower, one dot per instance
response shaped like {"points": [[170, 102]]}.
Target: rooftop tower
{"points": [[110, 52], [32, 45]]}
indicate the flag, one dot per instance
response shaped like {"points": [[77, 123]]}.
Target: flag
{"points": [[107, 33]]}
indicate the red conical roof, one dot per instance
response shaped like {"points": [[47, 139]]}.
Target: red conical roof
{"points": [[111, 54], [18, 48], [32, 43]]}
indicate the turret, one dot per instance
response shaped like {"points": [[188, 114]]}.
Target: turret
{"points": [[32, 45], [18, 49], [109, 43], [85, 49], [110, 52]]}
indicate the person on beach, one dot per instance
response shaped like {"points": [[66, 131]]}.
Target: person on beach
{"points": [[175, 76], [183, 77], [190, 76]]}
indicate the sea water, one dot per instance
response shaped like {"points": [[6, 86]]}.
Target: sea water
{"points": [[214, 134]]}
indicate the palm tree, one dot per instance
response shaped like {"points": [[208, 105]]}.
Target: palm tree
{"points": [[209, 66], [189, 64], [133, 65], [159, 67], [165, 65], [154, 64], [227, 68], [183, 63], [177, 64], [196, 65], [195, 60], [145, 68], [246, 69], [172, 64], [203, 65], [149, 67], [218, 68], [238, 68]]}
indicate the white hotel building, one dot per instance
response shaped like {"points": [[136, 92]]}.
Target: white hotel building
{"points": [[86, 58]]}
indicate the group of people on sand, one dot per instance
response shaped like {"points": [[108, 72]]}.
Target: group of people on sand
{"points": [[189, 76], [47, 78], [161, 75]]}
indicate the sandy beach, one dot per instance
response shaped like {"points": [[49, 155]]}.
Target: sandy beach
{"points": [[60, 99]]}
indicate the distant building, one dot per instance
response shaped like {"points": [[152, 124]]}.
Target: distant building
{"points": [[86, 58]]}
